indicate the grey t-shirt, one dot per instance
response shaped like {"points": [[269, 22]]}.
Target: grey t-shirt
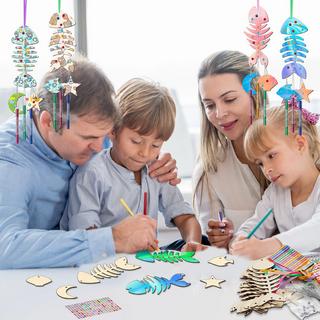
{"points": [[96, 188]]}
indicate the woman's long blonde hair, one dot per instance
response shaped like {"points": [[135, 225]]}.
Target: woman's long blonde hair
{"points": [[213, 143]]}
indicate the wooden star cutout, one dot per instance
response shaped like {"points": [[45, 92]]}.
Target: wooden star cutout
{"points": [[212, 282], [305, 92], [33, 102], [70, 87]]}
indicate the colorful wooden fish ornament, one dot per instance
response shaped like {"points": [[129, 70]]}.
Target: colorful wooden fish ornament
{"points": [[167, 256], [156, 284]]}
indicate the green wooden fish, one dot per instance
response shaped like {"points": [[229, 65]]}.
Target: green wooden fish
{"points": [[166, 256]]}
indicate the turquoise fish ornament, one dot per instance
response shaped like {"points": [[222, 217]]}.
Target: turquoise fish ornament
{"points": [[166, 256], [156, 284], [294, 49]]}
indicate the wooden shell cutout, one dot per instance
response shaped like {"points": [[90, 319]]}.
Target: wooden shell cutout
{"points": [[39, 281], [220, 261], [262, 264], [87, 278], [212, 282], [62, 292]]}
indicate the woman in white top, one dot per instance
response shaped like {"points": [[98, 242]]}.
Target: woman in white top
{"points": [[224, 179]]}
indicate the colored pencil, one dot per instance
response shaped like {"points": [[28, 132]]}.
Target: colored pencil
{"points": [[259, 224], [126, 207], [145, 204]]}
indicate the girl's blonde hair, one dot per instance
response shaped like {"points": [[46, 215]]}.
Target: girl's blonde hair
{"points": [[213, 143], [146, 107], [258, 138]]}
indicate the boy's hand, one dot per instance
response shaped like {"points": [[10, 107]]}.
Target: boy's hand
{"points": [[254, 248], [165, 170], [155, 247], [220, 233], [134, 234], [193, 246]]}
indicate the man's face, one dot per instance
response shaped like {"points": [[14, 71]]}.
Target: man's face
{"points": [[85, 137]]}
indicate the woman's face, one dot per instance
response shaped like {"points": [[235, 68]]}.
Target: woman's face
{"points": [[226, 104]]}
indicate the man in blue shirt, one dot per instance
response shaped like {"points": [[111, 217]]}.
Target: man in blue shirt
{"points": [[34, 180]]}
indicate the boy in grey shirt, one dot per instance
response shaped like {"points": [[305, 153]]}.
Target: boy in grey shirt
{"points": [[147, 118]]}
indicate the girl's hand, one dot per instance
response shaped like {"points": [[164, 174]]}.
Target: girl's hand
{"points": [[254, 248], [220, 233], [193, 246]]}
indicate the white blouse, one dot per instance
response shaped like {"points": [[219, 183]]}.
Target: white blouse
{"points": [[234, 189], [298, 226]]}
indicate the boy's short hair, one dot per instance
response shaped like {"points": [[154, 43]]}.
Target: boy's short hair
{"points": [[95, 95], [146, 107]]}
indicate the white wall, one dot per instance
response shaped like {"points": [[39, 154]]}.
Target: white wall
{"points": [[163, 40]]}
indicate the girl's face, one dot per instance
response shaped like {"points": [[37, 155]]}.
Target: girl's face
{"points": [[226, 104], [282, 161]]}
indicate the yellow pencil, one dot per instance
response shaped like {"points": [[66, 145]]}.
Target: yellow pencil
{"points": [[126, 207]]}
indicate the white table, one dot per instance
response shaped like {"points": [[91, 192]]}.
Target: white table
{"points": [[20, 300]]}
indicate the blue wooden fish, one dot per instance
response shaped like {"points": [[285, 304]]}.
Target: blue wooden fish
{"points": [[156, 284], [294, 49], [166, 256], [286, 92]]}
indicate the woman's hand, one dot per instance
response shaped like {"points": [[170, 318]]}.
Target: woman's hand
{"points": [[165, 170], [220, 233]]}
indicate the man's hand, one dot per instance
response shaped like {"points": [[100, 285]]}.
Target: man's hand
{"points": [[165, 170], [135, 233], [220, 233]]}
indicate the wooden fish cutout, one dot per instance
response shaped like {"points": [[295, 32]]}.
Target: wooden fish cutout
{"points": [[156, 284], [167, 256], [220, 261], [102, 271]]}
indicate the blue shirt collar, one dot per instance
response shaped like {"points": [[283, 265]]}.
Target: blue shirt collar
{"points": [[42, 146]]}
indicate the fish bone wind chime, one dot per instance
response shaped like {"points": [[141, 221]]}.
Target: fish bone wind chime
{"points": [[24, 57], [258, 35], [294, 51], [62, 45]]}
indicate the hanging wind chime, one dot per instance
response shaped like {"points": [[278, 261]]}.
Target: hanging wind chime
{"points": [[24, 56], [294, 51], [62, 46], [258, 35]]}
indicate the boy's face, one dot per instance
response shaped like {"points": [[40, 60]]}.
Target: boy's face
{"points": [[281, 162], [84, 138], [133, 151]]}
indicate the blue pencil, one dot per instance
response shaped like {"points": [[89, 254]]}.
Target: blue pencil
{"points": [[259, 224], [220, 215]]}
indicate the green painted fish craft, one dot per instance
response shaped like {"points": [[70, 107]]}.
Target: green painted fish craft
{"points": [[166, 256]]}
